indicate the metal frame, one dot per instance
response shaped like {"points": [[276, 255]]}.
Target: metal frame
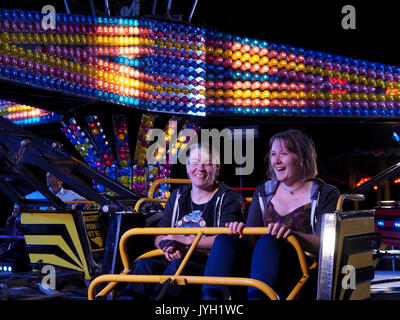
{"points": [[153, 187], [19, 147], [327, 256], [114, 279], [329, 243]]}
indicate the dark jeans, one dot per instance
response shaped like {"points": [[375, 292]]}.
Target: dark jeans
{"points": [[229, 257], [146, 291], [273, 261]]}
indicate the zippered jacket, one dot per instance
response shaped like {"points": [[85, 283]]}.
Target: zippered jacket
{"points": [[324, 198], [226, 205]]}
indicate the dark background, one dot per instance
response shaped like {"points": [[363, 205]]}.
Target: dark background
{"points": [[316, 25], [309, 24]]}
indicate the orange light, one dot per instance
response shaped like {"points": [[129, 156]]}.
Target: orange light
{"points": [[363, 180], [375, 188], [392, 92]]}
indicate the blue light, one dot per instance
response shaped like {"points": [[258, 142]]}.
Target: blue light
{"points": [[396, 136], [381, 223], [397, 224]]}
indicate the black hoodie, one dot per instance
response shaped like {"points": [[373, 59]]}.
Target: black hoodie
{"points": [[324, 198], [224, 206]]}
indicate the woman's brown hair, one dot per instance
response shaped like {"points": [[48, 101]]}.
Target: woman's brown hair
{"points": [[300, 144]]}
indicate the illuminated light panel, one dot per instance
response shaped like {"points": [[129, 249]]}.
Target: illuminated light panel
{"points": [[25, 115], [167, 67]]}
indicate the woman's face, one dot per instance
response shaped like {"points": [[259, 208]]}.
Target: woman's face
{"points": [[201, 171], [284, 163]]}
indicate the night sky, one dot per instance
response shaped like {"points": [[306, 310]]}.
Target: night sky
{"points": [[313, 24]]}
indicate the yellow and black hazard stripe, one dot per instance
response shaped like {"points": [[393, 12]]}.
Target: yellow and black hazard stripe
{"points": [[53, 238]]}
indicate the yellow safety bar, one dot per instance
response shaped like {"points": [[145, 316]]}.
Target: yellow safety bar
{"points": [[169, 181], [153, 187], [81, 202], [144, 200], [183, 280], [348, 196]]}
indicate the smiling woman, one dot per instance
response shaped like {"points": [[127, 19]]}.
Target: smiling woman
{"points": [[290, 202], [203, 203], [203, 169]]}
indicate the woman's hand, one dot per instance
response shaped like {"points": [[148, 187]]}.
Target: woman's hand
{"points": [[187, 240], [236, 227], [278, 229], [171, 252]]}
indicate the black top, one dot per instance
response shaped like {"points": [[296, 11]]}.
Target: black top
{"points": [[324, 194], [297, 220], [224, 206]]}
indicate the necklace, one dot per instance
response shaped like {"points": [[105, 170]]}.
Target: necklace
{"points": [[292, 191], [205, 206]]}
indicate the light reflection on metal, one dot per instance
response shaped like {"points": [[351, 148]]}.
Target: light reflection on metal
{"points": [[67, 7], [326, 256], [192, 11], [153, 10], [92, 8], [107, 7]]}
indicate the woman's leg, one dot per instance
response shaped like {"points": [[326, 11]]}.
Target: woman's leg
{"points": [[227, 258], [137, 290], [176, 292], [264, 265], [275, 263]]}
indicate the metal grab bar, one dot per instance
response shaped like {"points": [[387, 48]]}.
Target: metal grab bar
{"points": [[81, 202], [144, 200], [348, 196], [199, 232], [153, 187], [167, 181], [183, 280]]}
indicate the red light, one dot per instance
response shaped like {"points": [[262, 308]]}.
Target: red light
{"points": [[363, 180]]}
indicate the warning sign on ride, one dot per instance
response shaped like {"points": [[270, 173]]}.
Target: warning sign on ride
{"points": [[95, 230]]}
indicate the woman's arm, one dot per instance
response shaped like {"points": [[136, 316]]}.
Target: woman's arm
{"points": [[204, 242], [309, 242]]}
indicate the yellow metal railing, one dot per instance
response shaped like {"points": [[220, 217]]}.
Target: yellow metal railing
{"points": [[167, 181], [146, 200], [150, 196], [348, 196], [114, 279]]}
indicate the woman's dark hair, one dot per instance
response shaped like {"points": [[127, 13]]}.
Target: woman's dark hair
{"points": [[300, 144]]}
